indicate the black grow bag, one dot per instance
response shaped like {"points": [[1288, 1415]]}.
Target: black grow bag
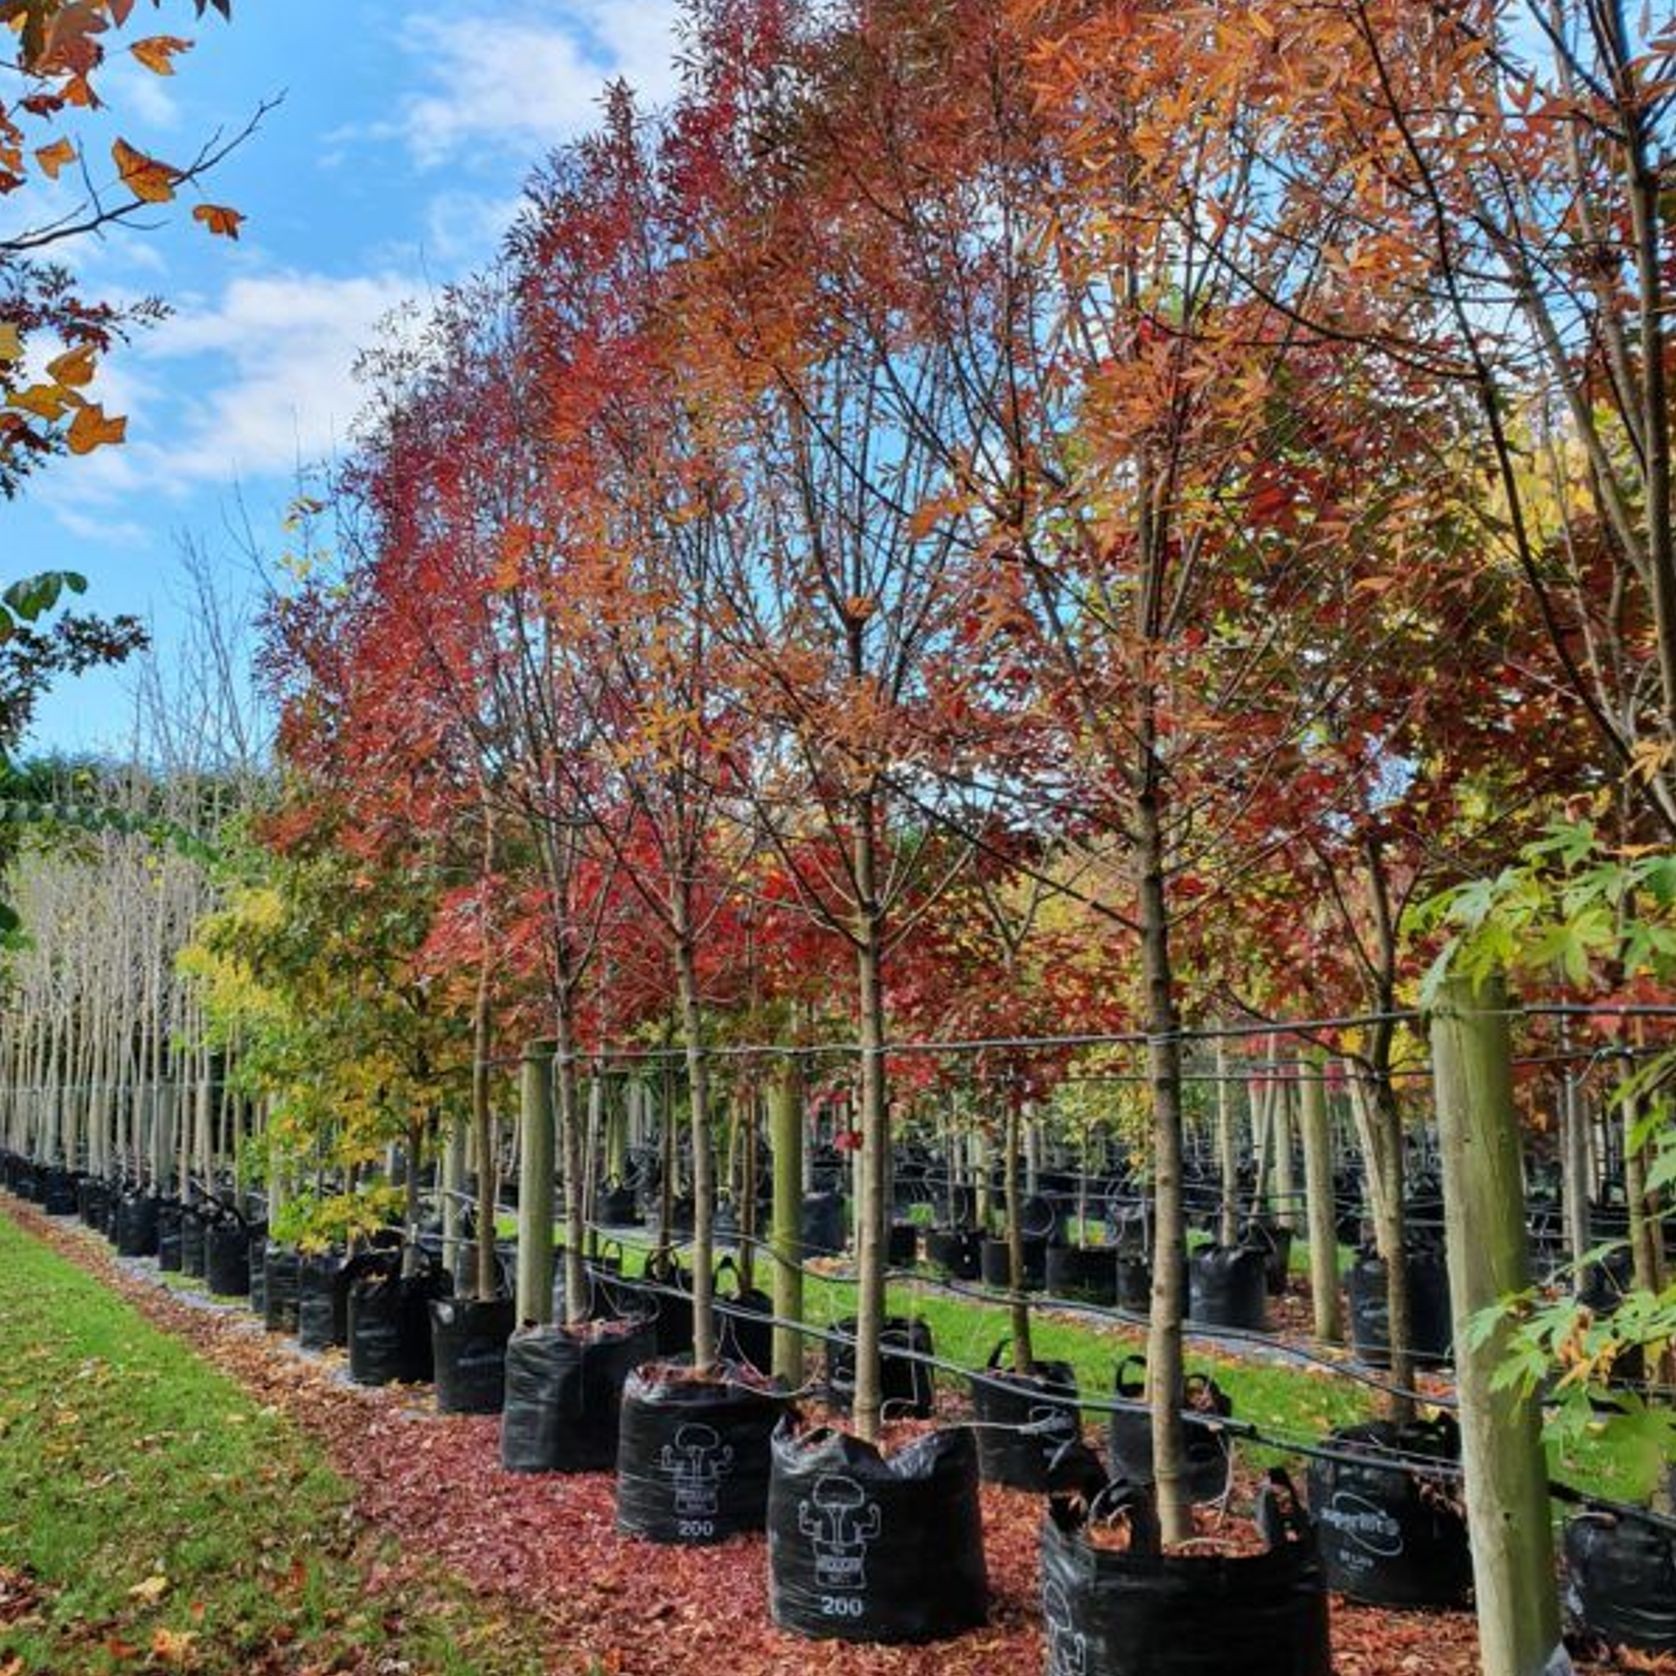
{"points": [[468, 1349], [322, 1301], [1390, 1533], [997, 1263], [1023, 1420], [668, 1298], [256, 1257], [1275, 1243], [390, 1320], [1228, 1287], [1620, 1580], [956, 1251], [564, 1393], [1129, 1436], [169, 1214], [906, 1386], [1141, 1612], [863, 1548], [1428, 1308], [1088, 1272], [194, 1242], [282, 1271], [823, 1224], [58, 1193], [91, 1197], [614, 1205], [225, 1254], [693, 1455], [744, 1320], [136, 1225]]}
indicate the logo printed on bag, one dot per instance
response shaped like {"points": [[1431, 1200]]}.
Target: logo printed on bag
{"points": [[840, 1522], [697, 1461], [1067, 1645], [1054, 1424], [1370, 1527]]}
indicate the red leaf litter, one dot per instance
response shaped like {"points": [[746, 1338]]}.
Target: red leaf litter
{"points": [[548, 1544]]}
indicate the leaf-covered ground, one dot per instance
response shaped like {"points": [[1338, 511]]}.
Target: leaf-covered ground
{"points": [[547, 1546]]}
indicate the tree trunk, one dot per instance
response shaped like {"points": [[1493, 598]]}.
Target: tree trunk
{"points": [[1506, 1470], [1165, 1375], [785, 1122], [1323, 1222], [1227, 1145], [875, 1134], [570, 1147], [704, 1164], [535, 1184], [1018, 1308]]}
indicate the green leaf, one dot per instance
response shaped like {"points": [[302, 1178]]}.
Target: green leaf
{"points": [[30, 597]]}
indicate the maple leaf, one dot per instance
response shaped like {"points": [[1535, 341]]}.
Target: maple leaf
{"points": [[219, 219], [74, 367], [53, 158], [119, 10], [90, 429], [11, 342], [157, 52], [146, 177], [45, 401]]}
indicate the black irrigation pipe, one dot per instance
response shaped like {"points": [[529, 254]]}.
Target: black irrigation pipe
{"points": [[1245, 1431], [1123, 1317]]}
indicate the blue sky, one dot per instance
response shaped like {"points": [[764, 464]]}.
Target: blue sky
{"points": [[392, 166]]}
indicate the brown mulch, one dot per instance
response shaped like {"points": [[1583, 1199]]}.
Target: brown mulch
{"points": [[548, 1545]]}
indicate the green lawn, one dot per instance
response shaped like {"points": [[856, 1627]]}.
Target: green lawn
{"points": [[167, 1518]]}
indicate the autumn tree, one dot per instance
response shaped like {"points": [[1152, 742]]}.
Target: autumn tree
{"points": [[51, 337]]}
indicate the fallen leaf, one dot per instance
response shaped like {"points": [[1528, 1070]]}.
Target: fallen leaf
{"points": [[172, 1646], [152, 1589]]}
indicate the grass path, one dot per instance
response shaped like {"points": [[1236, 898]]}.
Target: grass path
{"points": [[153, 1516]]}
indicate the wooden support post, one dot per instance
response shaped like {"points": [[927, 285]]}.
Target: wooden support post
{"points": [[1318, 1189], [537, 1130], [1501, 1444], [785, 1124]]}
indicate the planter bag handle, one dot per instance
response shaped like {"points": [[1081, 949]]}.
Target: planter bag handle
{"points": [[1131, 1390], [1280, 1515], [601, 1246], [663, 1268], [1203, 1393], [1001, 1346], [727, 1265]]}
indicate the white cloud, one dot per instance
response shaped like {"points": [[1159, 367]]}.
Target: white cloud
{"points": [[140, 94], [528, 80], [463, 228], [108, 532], [285, 347]]}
